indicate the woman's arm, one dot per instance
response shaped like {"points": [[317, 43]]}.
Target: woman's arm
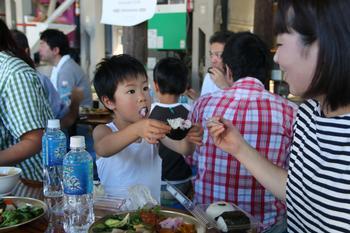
{"points": [[228, 138]]}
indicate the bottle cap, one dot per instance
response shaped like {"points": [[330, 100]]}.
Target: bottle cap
{"points": [[77, 141], [53, 124]]}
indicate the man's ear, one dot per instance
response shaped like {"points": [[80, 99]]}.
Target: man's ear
{"points": [[229, 75], [56, 50], [108, 103], [156, 86]]}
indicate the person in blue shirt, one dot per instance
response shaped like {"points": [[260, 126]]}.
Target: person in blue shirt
{"points": [[66, 114]]}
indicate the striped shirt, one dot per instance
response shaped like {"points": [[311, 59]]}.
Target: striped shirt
{"points": [[266, 122], [23, 108], [318, 186]]}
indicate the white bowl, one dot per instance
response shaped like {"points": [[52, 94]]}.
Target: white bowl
{"points": [[9, 177]]}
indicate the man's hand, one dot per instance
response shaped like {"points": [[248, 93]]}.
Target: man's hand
{"points": [[218, 76], [192, 94], [77, 96]]}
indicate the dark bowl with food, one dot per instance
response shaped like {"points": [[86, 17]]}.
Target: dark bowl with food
{"points": [[178, 134], [179, 128]]}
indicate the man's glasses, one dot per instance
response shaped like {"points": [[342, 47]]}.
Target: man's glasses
{"points": [[215, 54]]}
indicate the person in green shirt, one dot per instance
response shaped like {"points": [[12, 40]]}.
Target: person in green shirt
{"points": [[24, 109]]}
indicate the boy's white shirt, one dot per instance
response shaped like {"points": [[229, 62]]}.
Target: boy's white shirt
{"points": [[138, 163]]}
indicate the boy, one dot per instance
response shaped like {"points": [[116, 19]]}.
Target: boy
{"points": [[170, 81], [127, 144]]}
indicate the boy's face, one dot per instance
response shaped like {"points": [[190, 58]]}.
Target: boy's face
{"points": [[132, 101]]}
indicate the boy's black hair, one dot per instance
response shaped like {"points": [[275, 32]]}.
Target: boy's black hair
{"points": [[221, 37], [114, 70], [171, 76], [247, 56], [55, 38], [326, 23]]}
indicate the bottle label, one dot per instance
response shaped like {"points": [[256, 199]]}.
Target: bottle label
{"points": [[77, 178], [53, 151]]}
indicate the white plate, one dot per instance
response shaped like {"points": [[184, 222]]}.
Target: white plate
{"points": [[21, 201]]}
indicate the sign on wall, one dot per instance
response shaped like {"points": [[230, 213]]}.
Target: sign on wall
{"points": [[127, 12]]}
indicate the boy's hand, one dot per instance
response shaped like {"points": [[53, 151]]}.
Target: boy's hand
{"points": [[152, 130], [195, 135]]}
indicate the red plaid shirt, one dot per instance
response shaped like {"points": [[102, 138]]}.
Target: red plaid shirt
{"points": [[265, 120]]}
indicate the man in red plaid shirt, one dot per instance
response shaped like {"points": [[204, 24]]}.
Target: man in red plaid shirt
{"points": [[265, 120]]}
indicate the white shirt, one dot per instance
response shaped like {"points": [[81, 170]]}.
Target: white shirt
{"points": [[209, 85], [56, 69], [138, 163]]}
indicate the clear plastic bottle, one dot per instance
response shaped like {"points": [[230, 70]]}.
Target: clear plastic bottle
{"points": [[183, 99], [65, 93], [78, 187], [53, 150]]}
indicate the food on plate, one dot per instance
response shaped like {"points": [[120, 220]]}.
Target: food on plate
{"points": [[179, 128], [143, 220], [12, 214], [228, 218]]}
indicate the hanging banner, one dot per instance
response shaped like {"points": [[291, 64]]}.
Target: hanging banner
{"points": [[127, 12]]}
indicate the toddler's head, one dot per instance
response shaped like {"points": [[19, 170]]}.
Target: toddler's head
{"points": [[170, 75], [121, 84]]}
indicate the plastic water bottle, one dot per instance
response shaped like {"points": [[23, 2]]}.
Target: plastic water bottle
{"points": [[78, 187], [183, 99], [65, 93], [53, 150]]}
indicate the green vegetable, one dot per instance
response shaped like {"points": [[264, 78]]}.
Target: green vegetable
{"points": [[16, 216], [114, 223], [99, 228]]}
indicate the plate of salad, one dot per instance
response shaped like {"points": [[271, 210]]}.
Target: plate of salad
{"points": [[17, 211], [147, 220]]}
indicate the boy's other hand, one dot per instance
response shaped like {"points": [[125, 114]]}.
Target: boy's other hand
{"points": [[195, 135], [152, 130]]}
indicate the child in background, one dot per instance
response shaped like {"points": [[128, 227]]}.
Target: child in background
{"points": [[170, 81], [127, 145]]}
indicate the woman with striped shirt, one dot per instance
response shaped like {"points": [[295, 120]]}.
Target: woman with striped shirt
{"points": [[314, 53]]}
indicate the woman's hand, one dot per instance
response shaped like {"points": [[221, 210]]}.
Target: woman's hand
{"points": [[195, 135], [225, 135]]}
